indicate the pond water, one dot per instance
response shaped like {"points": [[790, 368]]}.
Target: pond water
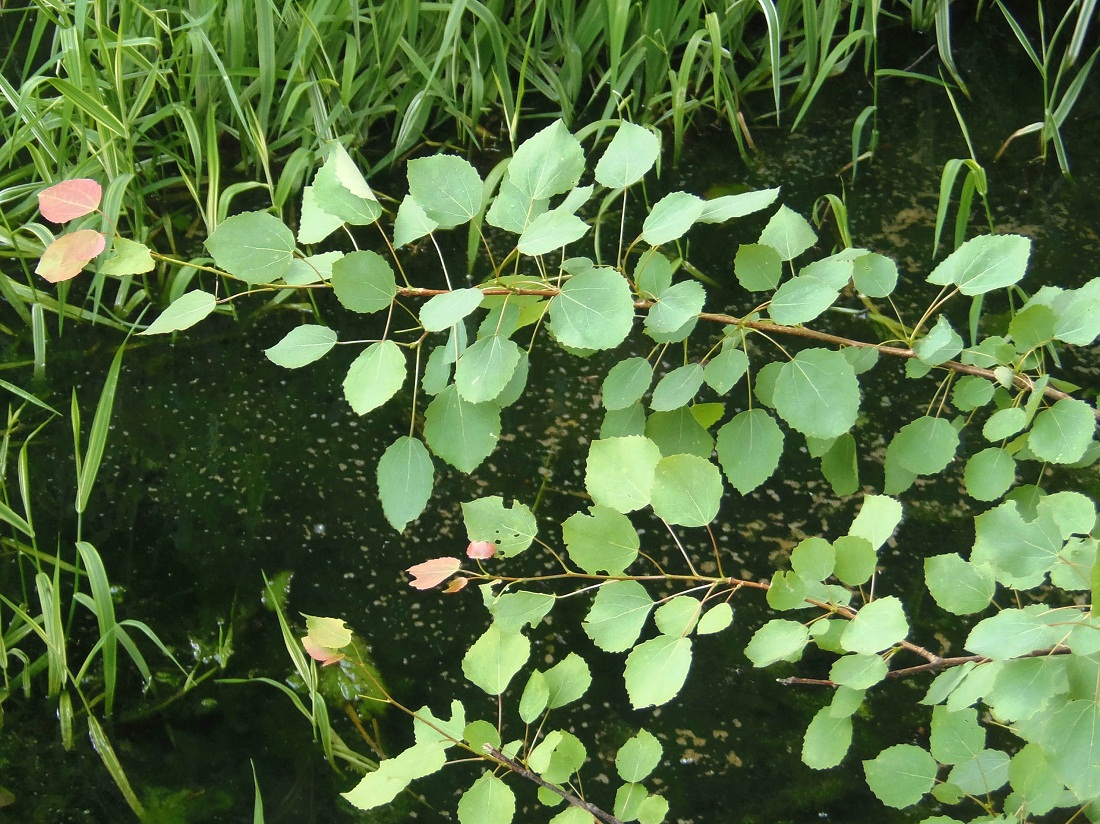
{"points": [[221, 467]]}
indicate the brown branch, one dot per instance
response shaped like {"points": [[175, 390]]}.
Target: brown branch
{"points": [[1020, 381], [521, 770]]}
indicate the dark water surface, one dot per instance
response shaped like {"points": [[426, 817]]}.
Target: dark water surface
{"points": [[221, 465]]}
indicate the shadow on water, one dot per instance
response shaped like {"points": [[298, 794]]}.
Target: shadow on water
{"points": [[221, 466]]}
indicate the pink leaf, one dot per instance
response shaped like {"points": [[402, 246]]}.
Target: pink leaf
{"points": [[66, 256], [456, 584], [481, 550], [69, 199], [433, 572], [325, 655]]}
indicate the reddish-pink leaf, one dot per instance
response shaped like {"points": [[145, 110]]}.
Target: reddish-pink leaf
{"points": [[481, 550], [69, 199], [433, 572], [325, 655], [66, 256], [457, 583]]}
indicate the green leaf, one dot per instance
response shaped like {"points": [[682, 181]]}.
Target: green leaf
{"points": [[405, 477], [1032, 327], [128, 257], [653, 274], [551, 231], [594, 310], [256, 247], [485, 368], [656, 670], [393, 775], [1074, 513], [447, 187], [375, 376], [511, 210], [827, 740], [764, 382], [818, 393], [557, 757], [311, 269], [972, 392], [877, 626], [985, 773], [1012, 632], [801, 299], [757, 267], [855, 560], [1021, 552], [777, 640], [602, 540], [788, 233], [727, 207], [677, 388], [671, 217], [878, 517], [444, 311], [620, 423], [1034, 781], [725, 369], [479, 733], [315, 223], [749, 448], [813, 559], [862, 358], [431, 729], [630, 154], [840, 465], [411, 223], [1004, 423], [959, 586], [901, 775], [1028, 686], [984, 263], [512, 529], [495, 658], [1071, 741], [620, 472], [488, 801], [989, 474], [364, 282], [926, 445], [301, 346], [183, 313], [941, 344], [678, 615], [567, 681], [626, 383], [858, 671], [955, 736], [514, 610], [1062, 433], [617, 616], [340, 190], [535, 695], [548, 163], [461, 433], [638, 757], [679, 433], [675, 306], [1078, 314], [875, 275], [715, 619]]}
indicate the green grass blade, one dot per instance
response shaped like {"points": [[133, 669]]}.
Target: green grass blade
{"points": [[258, 800], [106, 752], [27, 396], [53, 630], [772, 18], [38, 339], [943, 44], [947, 185], [97, 438], [105, 616]]}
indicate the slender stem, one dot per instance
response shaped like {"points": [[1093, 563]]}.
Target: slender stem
{"points": [[521, 770]]}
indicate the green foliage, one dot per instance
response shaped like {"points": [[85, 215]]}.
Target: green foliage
{"points": [[651, 470]]}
